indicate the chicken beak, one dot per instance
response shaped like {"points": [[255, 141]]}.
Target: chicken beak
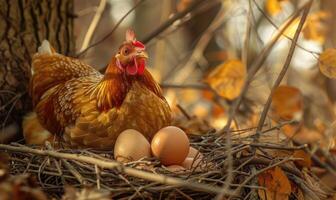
{"points": [[142, 54]]}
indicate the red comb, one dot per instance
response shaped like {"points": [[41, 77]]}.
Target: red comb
{"points": [[138, 44]]}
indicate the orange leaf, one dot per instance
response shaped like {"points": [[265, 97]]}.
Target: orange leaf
{"points": [[316, 27], [306, 159], [228, 79], [276, 183], [328, 63], [287, 103]]}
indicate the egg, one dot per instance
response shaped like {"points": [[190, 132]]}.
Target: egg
{"points": [[190, 163], [131, 145], [194, 153], [175, 168], [170, 145]]}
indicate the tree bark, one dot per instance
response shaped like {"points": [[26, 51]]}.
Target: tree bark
{"points": [[24, 24]]}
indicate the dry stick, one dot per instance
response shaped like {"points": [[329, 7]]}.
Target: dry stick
{"points": [[284, 69], [272, 146], [119, 167], [72, 170], [93, 25], [112, 31]]}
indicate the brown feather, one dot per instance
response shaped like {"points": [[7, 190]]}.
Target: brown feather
{"points": [[89, 109]]}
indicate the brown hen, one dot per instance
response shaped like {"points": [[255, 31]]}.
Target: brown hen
{"points": [[88, 109]]}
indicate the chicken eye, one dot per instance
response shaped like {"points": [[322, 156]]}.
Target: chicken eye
{"points": [[126, 51]]}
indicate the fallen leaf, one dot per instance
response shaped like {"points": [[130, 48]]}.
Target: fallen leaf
{"points": [[87, 193], [306, 158], [287, 103], [328, 63], [303, 135], [228, 79], [276, 183]]}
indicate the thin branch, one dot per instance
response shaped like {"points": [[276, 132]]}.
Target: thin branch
{"points": [[284, 68], [117, 166], [93, 25]]}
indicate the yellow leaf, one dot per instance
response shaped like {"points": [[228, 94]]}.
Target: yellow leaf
{"points": [[315, 27], [287, 103], [274, 7], [328, 63], [228, 79], [276, 183]]}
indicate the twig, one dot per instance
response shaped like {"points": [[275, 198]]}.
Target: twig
{"points": [[272, 146], [119, 167], [284, 69], [93, 25], [97, 170], [183, 111], [112, 31], [72, 170]]}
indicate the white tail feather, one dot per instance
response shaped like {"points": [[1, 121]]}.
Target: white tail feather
{"points": [[45, 47]]}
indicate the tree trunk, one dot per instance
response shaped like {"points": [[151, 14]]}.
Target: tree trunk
{"points": [[24, 24]]}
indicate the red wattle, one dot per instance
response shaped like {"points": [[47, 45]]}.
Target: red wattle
{"points": [[141, 65]]}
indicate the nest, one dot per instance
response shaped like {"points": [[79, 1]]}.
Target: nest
{"points": [[223, 171]]}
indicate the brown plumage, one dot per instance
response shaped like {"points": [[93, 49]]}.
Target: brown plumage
{"points": [[88, 109]]}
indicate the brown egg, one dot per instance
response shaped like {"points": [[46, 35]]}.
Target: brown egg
{"points": [[175, 168], [194, 153], [131, 145], [190, 163], [170, 145]]}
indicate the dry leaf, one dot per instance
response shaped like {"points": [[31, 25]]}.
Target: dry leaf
{"points": [[228, 79], [274, 7], [86, 193], [306, 159], [315, 26], [328, 63], [276, 183], [303, 135], [287, 103]]}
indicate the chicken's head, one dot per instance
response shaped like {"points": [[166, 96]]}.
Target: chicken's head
{"points": [[131, 56]]}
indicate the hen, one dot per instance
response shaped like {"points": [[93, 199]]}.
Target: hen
{"points": [[88, 109]]}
